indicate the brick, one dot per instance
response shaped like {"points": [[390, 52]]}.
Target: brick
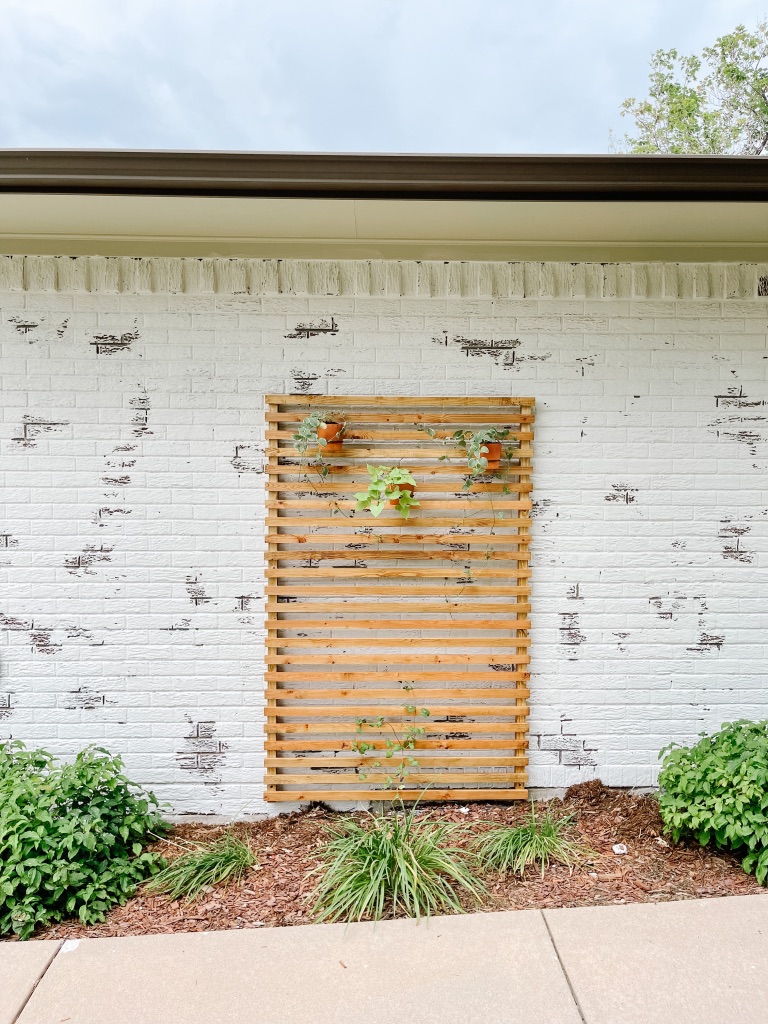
{"points": [[627, 400]]}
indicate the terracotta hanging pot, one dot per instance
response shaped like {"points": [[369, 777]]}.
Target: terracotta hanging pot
{"points": [[493, 454], [332, 434], [403, 487]]}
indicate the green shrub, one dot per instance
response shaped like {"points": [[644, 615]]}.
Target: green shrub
{"points": [[717, 792], [201, 867], [538, 841], [71, 837], [389, 863]]}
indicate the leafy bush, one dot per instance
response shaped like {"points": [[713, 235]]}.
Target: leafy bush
{"points": [[202, 867], [539, 841], [717, 791], [390, 863], [71, 837]]}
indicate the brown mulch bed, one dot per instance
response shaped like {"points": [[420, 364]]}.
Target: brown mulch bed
{"points": [[278, 891]]}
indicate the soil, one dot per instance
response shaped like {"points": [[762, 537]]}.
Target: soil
{"points": [[278, 891]]}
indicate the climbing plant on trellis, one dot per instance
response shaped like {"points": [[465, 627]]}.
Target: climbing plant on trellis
{"points": [[397, 650]]}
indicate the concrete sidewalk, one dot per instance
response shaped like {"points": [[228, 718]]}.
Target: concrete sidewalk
{"points": [[692, 962]]}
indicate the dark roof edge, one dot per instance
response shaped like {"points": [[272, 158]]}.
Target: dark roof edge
{"points": [[653, 178]]}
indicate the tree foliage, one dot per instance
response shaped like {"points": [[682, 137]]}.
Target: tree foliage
{"points": [[716, 102]]}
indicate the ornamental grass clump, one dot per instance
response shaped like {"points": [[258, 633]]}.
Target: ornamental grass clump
{"points": [[72, 837], [540, 840], [202, 867], [717, 792], [390, 864]]}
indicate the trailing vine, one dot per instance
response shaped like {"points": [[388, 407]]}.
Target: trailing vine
{"points": [[401, 744]]}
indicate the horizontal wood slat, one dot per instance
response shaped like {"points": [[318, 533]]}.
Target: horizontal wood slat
{"points": [[340, 793], [380, 541], [456, 569], [355, 761], [394, 641], [334, 676], [405, 607], [421, 694], [508, 743], [353, 519], [345, 403], [354, 434], [361, 416], [401, 624]]}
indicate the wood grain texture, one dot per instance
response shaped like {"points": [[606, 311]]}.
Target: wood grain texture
{"points": [[458, 567]]}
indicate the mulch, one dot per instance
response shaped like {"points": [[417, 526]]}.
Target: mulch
{"points": [[278, 891]]}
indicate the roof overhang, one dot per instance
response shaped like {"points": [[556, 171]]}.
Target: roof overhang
{"points": [[328, 206]]}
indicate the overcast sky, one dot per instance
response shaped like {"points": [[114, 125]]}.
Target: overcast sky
{"points": [[337, 75]]}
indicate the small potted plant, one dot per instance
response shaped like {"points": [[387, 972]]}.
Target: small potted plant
{"points": [[396, 486], [325, 432], [484, 448]]}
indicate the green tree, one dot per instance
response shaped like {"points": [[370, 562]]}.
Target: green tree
{"points": [[716, 102]]}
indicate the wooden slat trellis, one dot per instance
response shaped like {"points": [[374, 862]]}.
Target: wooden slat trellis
{"points": [[371, 620]]}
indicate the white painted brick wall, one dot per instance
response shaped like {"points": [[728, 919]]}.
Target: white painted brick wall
{"points": [[131, 539]]}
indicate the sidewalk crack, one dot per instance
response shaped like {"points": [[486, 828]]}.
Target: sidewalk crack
{"points": [[563, 968], [31, 992]]}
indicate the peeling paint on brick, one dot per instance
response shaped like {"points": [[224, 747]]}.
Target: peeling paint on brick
{"points": [[196, 591], [622, 493], [505, 352], [42, 642], [183, 626], [732, 534], [102, 516], [35, 427], [571, 636], [707, 643], [89, 556], [39, 329], [568, 748], [248, 458], [202, 753], [312, 329], [303, 382], [23, 326], [142, 407], [111, 344], [83, 699]]}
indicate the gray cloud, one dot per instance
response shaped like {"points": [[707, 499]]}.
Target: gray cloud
{"points": [[345, 75]]}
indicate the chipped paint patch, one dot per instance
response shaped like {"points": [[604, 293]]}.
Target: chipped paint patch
{"points": [[571, 636], [111, 344], [505, 352], [89, 556], [202, 753], [622, 493], [733, 549], [83, 699], [35, 427], [568, 748], [312, 329], [248, 458], [707, 643], [102, 516], [196, 591], [142, 407]]}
